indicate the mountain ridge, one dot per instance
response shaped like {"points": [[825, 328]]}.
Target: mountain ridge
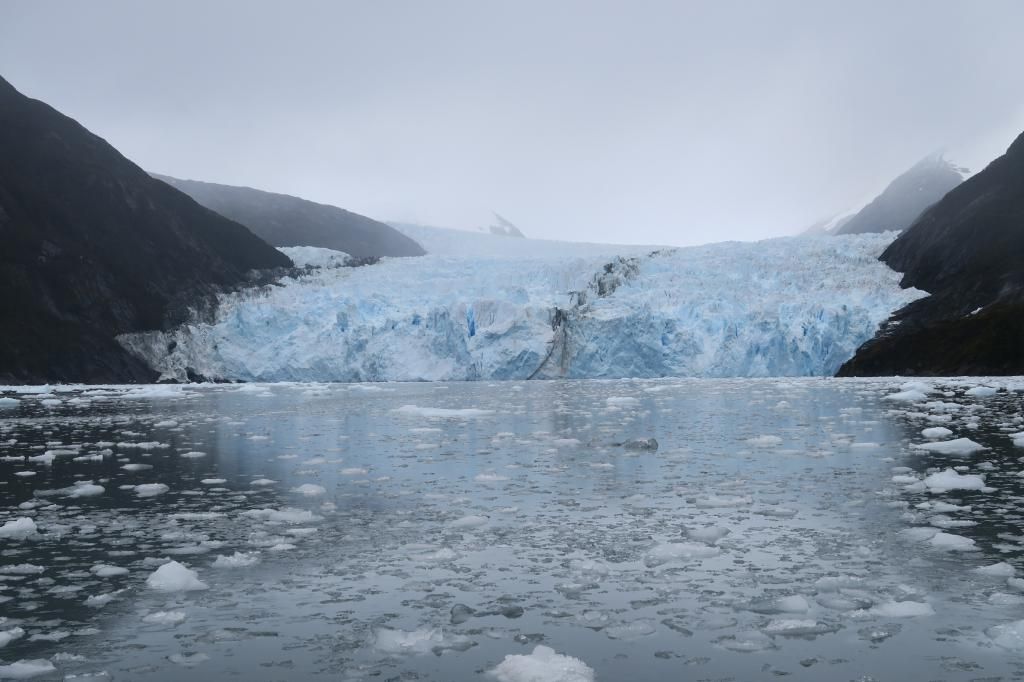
{"points": [[286, 220]]}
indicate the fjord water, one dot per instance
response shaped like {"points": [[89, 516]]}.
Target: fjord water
{"points": [[427, 531]]}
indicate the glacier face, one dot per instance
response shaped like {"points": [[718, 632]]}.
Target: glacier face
{"points": [[796, 306]]}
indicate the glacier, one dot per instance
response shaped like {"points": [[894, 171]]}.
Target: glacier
{"points": [[793, 306]]}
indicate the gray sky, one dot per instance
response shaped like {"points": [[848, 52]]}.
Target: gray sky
{"points": [[644, 122]]}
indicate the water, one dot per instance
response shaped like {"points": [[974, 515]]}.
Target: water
{"points": [[763, 538]]}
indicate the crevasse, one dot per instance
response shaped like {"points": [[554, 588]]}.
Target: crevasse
{"points": [[784, 307]]}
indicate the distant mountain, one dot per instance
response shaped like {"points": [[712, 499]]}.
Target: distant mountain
{"points": [[505, 228], [906, 197], [285, 220], [968, 252], [829, 225], [94, 247]]}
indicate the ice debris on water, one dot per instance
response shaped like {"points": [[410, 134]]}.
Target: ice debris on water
{"points": [[175, 577], [542, 665]]}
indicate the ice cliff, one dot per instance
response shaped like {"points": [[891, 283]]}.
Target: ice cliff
{"points": [[783, 307]]}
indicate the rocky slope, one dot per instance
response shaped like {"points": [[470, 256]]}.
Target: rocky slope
{"points": [[94, 247], [906, 197], [968, 251], [284, 220]]}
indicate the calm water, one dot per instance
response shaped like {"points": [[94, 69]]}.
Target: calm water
{"points": [[426, 531]]}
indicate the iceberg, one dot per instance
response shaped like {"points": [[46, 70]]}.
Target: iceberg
{"points": [[796, 306]]}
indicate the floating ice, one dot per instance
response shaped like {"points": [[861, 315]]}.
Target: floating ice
{"points": [[902, 609], [1009, 636], [679, 551], [419, 641], [951, 480], [286, 515], [26, 669], [106, 570], [85, 489], [151, 489], [997, 570], [981, 391], [8, 636], [310, 489], [952, 543], [960, 446], [543, 665], [765, 441], [18, 529], [164, 617], [237, 560], [936, 432], [442, 412], [175, 577]]}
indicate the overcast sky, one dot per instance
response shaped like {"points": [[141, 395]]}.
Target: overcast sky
{"points": [[642, 122]]}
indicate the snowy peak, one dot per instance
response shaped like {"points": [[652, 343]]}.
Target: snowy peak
{"points": [[504, 228], [906, 197]]}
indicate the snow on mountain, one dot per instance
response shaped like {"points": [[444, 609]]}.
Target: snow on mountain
{"points": [[444, 241], [783, 307], [315, 256]]}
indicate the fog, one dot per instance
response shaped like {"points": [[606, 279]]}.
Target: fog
{"points": [[641, 122]]}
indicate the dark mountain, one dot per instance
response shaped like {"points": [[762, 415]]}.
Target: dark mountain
{"points": [[906, 197], [94, 247], [968, 251], [285, 220]]}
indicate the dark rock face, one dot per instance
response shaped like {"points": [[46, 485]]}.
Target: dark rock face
{"points": [[905, 198], [284, 220], [968, 251], [94, 247]]}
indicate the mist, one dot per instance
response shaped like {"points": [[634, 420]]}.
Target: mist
{"points": [[656, 123]]}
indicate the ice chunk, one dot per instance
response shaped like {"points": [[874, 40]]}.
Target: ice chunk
{"points": [[1009, 636], [936, 432], [8, 636], [419, 641], [902, 609], [997, 570], [237, 560], [106, 570], [151, 489], [164, 617], [543, 665], [951, 480], [175, 577], [765, 441], [188, 660], [952, 543], [26, 669], [85, 489], [679, 551], [285, 515], [442, 412], [960, 446], [19, 529], [310, 489], [911, 396], [981, 391]]}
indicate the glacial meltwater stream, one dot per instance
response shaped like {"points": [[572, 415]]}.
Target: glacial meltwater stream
{"points": [[804, 529]]}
